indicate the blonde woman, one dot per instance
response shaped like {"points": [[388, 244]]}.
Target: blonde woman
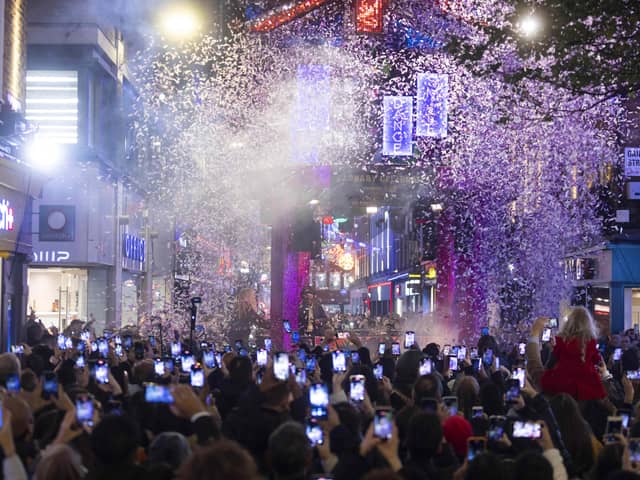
{"points": [[576, 358]]}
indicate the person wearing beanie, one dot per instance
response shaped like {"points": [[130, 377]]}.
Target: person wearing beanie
{"points": [[457, 430]]}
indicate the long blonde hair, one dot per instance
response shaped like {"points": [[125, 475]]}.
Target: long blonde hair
{"points": [[580, 325]]}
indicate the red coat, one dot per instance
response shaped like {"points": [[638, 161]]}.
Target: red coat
{"points": [[571, 375]]}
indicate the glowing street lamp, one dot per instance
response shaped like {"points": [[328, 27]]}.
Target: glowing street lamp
{"points": [[529, 26], [180, 22]]}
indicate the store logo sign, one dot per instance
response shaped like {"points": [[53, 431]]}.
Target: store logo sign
{"points": [[133, 248], [51, 256], [6, 216]]}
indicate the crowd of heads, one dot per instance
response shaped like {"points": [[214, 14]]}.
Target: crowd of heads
{"points": [[121, 406]]}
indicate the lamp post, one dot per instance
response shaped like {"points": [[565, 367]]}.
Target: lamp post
{"points": [[180, 22]]}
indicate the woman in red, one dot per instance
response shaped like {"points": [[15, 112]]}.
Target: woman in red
{"points": [[576, 358]]}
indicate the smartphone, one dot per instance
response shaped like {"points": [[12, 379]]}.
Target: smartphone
{"points": [[187, 361], [409, 339], [94, 347], [513, 390], [523, 346], [301, 376], [281, 366], [520, 375], [103, 347], [546, 335], [477, 412], [85, 336], [84, 411], [453, 363], [446, 350], [476, 364], [626, 416], [168, 364], [13, 383], [295, 337], [530, 430], [81, 346], [426, 366], [287, 326], [80, 362], [118, 340], [267, 344], [553, 322], [152, 341], [497, 427], [634, 449], [617, 354], [475, 446], [462, 353], [118, 350], [315, 434], [485, 331], [101, 372], [226, 348], [209, 358], [310, 364], [633, 374], [158, 367], [429, 405], [454, 350], [319, 400], [261, 357], [378, 371], [339, 362], [355, 358], [382, 347], [451, 404], [356, 390], [383, 424], [474, 353], [614, 425], [154, 393], [395, 349], [176, 349], [197, 376], [50, 385], [302, 355], [17, 349], [487, 357]]}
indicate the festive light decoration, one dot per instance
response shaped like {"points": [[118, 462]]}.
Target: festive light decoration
{"points": [[433, 90], [285, 14], [398, 126], [369, 16]]}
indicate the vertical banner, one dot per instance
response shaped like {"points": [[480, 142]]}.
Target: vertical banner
{"points": [[311, 111], [369, 16], [431, 118], [397, 131]]}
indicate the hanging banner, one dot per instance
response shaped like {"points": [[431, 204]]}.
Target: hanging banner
{"points": [[431, 118], [369, 16], [397, 132]]}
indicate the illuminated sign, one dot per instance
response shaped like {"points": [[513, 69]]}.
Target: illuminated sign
{"points": [[632, 162], [133, 248], [327, 220], [51, 256], [397, 132], [431, 109], [369, 16], [285, 14], [6, 216]]}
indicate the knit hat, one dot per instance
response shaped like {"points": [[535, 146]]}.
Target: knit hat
{"points": [[457, 430]]}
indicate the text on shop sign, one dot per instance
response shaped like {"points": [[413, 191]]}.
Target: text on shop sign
{"points": [[6, 216], [133, 248]]}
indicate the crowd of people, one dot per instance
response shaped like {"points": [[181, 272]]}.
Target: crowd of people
{"points": [[558, 403]]}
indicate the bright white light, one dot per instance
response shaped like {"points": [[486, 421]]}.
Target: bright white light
{"points": [[44, 155], [314, 202], [511, 267], [529, 26], [372, 210], [180, 23], [436, 207]]}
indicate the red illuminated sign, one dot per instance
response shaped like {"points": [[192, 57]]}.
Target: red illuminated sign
{"points": [[327, 220], [286, 14], [369, 16]]}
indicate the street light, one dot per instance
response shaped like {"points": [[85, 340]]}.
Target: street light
{"points": [[371, 210], [180, 22], [529, 25]]}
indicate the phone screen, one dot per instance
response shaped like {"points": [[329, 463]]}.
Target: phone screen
{"points": [[496, 428], [103, 347], [197, 377], [487, 358], [409, 339], [102, 373], [176, 349], [462, 353], [381, 348], [118, 350], [513, 390], [314, 433], [634, 449], [261, 357], [426, 367], [546, 335], [614, 425], [281, 366], [476, 446], [477, 412], [553, 322], [295, 337], [339, 361], [378, 372], [84, 411], [158, 367], [310, 364], [301, 376], [50, 385], [157, 394], [287, 326], [13, 383], [520, 375], [355, 358], [453, 363], [383, 424], [522, 347], [475, 363], [209, 358], [267, 344], [395, 349], [451, 404], [187, 361], [62, 342], [617, 354], [319, 400], [357, 388], [530, 430]]}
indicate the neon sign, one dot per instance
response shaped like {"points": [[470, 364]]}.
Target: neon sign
{"points": [[369, 16], [285, 14], [6, 216], [397, 132], [433, 90]]}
